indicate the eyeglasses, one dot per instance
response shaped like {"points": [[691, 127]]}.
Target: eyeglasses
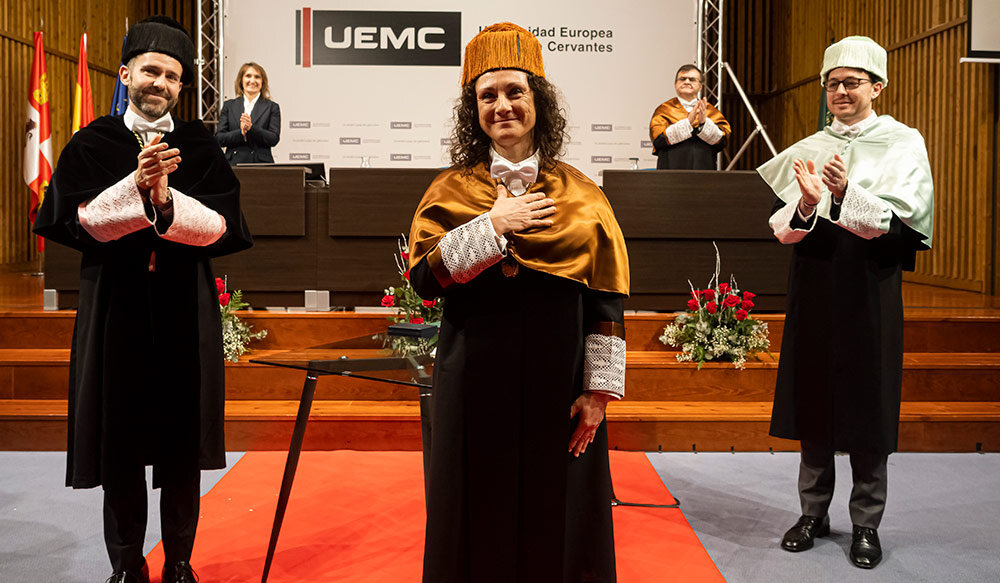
{"points": [[849, 84], [691, 79]]}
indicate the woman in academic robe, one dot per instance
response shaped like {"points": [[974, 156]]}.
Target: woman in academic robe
{"points": [[250, 124], [532, 264]]}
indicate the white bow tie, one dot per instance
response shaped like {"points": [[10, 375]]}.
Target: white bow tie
{"points": [[143, 126], [516, 176]]}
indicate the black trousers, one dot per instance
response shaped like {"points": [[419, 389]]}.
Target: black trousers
{"points": [[816, 480], [125, 508]]}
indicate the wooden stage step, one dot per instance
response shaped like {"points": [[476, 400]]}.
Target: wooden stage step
{"points": [[650, 376], [926, 330], [643, 426]]}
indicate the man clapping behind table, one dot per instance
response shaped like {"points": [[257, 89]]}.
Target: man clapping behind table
{"points": [[687, 132]]}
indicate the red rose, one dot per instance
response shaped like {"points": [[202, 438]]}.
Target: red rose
{"points": [[711, 307], [723, 288], [220, 285], [416, 320], [407, 275], [693, 305], [730, 301], [404, 255], [741, 314], [388, 301], [696, 293], [747, 304], [749, 295], [430, 303], [223, 299], [709, 294]]}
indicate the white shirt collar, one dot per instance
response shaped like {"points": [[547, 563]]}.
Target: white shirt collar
{"points": [[147, 130], [852, 131], [688, 105], [249, 103], [516, 176]]}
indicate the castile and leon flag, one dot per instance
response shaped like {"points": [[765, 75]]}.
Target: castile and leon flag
{"points": [[38, 134]]}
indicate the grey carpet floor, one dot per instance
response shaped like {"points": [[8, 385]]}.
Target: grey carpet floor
{"points": [[942, 523], [54, 534], [942, 519]]}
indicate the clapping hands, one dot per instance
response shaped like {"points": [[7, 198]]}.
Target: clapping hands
{"points": [[696, 117], [245, 123], [156, 161]]}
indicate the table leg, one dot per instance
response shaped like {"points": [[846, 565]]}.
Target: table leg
{"points": [[292, 462]]}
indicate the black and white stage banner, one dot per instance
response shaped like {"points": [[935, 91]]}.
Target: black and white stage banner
{"points": [[378, 79]]}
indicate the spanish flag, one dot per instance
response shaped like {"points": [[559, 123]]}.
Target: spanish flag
{"points": [[38, 134], [83, 101]]}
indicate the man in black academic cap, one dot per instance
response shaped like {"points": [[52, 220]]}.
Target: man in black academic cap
{"points": [[148, 199]]}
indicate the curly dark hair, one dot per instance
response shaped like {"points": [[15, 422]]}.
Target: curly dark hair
{"points": [[471, 146]]}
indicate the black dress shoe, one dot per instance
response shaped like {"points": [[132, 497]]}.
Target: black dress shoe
{"points": [[125, 577], [179, 572], [866, 551], [800, 537]]}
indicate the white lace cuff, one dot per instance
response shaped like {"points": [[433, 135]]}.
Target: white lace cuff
{"points": [[466, 251], [710, 133], [116, 212], [678, 132], [781, 224], [194, 223], [604, 364], [863, 213]]}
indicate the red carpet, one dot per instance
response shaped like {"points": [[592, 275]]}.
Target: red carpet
{"points": [[359, 517]]}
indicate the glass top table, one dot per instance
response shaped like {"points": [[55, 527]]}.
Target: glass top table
{"points": [[378, 357], [399, 360]]}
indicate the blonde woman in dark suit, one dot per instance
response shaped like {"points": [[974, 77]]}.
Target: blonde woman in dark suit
{"points": [[250, 124]]}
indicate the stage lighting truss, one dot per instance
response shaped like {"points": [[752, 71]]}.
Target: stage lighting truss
{"points": [[210, 64], [710, 49]]}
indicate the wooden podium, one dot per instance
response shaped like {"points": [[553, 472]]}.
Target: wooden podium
{"points": [[342, 237], [670, 219]]}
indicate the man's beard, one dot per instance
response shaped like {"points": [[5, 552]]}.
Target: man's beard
{"points": [[139, 98]]}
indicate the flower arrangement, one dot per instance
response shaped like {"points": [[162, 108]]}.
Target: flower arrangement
{"points": [[236, 334], [410, 307], [717, 325]]}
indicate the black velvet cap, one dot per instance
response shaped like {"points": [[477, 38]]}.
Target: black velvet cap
{"points": [[161, 34]]}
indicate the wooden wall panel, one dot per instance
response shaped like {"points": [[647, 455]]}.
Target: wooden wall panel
{"points": [[62, 21], [953, 105]]}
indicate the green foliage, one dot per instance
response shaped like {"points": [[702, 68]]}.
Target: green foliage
{"points": [[236, 334]]}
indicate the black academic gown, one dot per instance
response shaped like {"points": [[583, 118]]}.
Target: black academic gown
{"points": [[691, 154], [506, 502], [840, 372], [146, 368]]}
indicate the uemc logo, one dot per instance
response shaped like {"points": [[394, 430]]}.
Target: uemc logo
{"points": [[361, 37]]}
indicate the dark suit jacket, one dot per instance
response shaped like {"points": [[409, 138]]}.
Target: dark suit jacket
{"points": [[256, 145]]}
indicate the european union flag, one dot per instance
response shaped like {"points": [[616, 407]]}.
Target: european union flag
{"points": [[119, 103]]}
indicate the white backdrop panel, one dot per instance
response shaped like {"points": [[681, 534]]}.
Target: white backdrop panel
{"points": [[400, 115]]}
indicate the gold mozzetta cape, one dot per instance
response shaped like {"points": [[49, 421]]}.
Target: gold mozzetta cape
{"points": [[585, 243], [672, 111]]}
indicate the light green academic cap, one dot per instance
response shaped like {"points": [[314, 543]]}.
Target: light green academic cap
{"points": [[856, 52]]}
